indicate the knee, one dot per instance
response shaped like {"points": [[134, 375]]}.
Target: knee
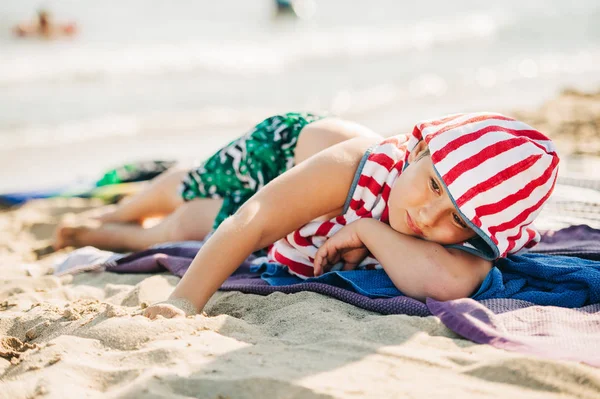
{"points": [[168, 187], [175, 174], [189, 223], [180, 230]]}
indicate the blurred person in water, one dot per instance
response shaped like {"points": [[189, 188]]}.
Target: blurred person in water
{"points": [[45, 27]]}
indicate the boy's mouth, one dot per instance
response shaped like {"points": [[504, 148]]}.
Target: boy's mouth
{"points": [[411, 224]]}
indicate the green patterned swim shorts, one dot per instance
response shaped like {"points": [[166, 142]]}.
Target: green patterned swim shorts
{"points": [[247, 164]]}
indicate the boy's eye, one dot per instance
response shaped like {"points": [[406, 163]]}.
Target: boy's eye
{"points": [[434, 186], [459, 221]]}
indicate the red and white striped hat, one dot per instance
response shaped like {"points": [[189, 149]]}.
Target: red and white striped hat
{"points": [[498, 172]]}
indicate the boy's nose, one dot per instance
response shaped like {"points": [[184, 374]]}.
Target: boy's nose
{"points": [[430, 213]]}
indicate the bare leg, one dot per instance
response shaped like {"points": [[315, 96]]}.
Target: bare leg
{"points": [[158, 199], [191, 221]]}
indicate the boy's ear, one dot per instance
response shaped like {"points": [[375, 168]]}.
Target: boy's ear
{"points": [[417, 151]]}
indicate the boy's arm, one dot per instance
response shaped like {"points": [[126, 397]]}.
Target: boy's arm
{"points": [[418, 268], [311, 189]]}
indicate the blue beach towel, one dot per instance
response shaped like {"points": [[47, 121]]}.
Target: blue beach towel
{"points": [[563, 281], [370, 283]]}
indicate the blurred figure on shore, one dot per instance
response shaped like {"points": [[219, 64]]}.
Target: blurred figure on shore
{"points": [[284, 5], [45, 27], [302, 9]]}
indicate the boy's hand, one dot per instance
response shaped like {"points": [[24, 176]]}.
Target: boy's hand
{"points": [[171, 308], [344, 246]]}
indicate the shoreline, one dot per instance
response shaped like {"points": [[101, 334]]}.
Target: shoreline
{"points": [[569, 118]]}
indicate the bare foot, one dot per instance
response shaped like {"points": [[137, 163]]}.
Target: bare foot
{"points": [[119, 237], [72, 234], [92, 227], [74, 225]]}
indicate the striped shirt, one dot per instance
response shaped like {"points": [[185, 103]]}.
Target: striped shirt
{"points": [[368, 198]]}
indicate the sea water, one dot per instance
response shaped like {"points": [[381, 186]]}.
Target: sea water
{"points": [[174, 80]]}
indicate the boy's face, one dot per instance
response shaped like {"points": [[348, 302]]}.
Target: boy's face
{"points": [[419, 205]]}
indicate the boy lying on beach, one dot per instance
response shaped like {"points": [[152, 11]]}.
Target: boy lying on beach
{"points": [[433, 208]]}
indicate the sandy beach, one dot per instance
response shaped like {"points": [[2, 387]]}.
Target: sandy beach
{"points": [[83, 336]]}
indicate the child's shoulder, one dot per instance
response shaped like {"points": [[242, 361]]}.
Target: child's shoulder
{"points": [[390, 152], [395, 146], [398, 140], [344, 140], [357, 148]]}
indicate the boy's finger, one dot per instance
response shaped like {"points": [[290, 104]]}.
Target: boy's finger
{"points": [[319, 261], [333, 257], [349, 266], [317, 265]]}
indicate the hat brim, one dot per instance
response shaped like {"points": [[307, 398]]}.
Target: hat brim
{"points": [[481, 245]]}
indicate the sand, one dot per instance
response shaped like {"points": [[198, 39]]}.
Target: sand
{"points": [[83, 336]]}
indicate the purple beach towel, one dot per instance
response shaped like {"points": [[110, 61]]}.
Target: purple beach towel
{"points": [[177, 259], [548, 331]]}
